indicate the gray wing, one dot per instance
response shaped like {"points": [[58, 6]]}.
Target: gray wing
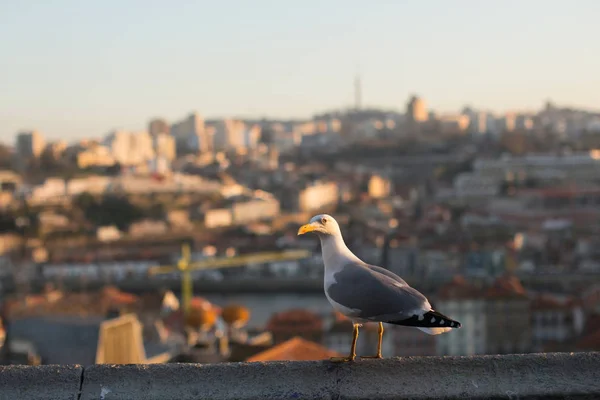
{"points": [[386, 272], [375, 295]]}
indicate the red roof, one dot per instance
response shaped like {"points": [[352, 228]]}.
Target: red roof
{"points": [[545, 302], [459, 288], [117, 297], [564, 192], [508, 286], [295, 349], [295, 321]]}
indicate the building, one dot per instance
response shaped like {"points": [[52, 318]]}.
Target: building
{"points": [[289, 324], [580, 166], [130, 149], [53, 190], [191, 135], [83, 328], [416, 110], [468, 185], [217, 217], [379, 187], [317, 195], [29, 146], [227, 134], [9, 181], [465, 303], [147, 227], [416, 114], [88, 340], [53, 152], [479, 123], [451, 125], [408, 341], [254, 209], [508, 122], [242, 209], [508, 327], [555, 321], [295, 349], [524, 122], [158, 126], [252, 135], [94, 156], [164, 146]]}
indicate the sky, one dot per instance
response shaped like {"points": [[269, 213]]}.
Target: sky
{"points": [[75, 69]]}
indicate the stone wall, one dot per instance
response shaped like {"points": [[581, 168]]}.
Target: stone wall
{"points": [[532, 376]]}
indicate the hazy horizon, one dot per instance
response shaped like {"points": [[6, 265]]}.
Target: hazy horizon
{"points": [[76, 70]]}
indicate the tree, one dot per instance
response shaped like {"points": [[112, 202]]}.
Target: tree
{"points": [[109, 210], [84, 201], [7, 223]]}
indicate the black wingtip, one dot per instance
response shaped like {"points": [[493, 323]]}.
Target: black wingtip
{"points": [[431, 319]]}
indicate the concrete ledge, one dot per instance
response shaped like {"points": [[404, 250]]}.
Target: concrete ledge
{"points": [[44, 382], [532, 376]]}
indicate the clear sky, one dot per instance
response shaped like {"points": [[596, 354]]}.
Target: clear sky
{"points": [[80, 68]]}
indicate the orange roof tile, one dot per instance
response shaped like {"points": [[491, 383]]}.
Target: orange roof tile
{"points": [[545, 302], [295, 320], [295, 349], [506, 287], [459, 288], [203, 304]]}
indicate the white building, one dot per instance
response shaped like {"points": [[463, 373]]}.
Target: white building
{"points": [[129, 148], [483, 122], [91, 184], [524, 122], [453, 124], [379, 187], [555, 320], [582, 166], [53, 190], [469, 185], [228, 134], [164, 146], [191, 135], [262, 206], [317, 195], [218, 217]]}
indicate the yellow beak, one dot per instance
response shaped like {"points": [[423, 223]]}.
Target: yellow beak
{"points": [[306, 228]]}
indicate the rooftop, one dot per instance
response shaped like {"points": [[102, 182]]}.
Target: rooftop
{"points": [[296, 349], [531, 376]]}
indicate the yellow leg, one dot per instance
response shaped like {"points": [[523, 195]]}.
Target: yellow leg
{"points": [[352, 355], [379, 344]]}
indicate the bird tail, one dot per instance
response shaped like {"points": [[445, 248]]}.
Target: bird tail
{"points": [[432, 323]]}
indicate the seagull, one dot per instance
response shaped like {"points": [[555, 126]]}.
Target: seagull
{"points": [[368, 293]]}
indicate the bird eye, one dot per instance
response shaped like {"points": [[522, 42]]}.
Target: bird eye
{"points": [[323, 220]]}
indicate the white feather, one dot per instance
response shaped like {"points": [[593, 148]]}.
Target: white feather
{"points": [[434, 331]]}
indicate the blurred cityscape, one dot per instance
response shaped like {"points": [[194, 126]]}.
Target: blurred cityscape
{"points": [[494, 217]]}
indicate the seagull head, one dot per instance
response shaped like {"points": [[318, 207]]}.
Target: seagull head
{"points": [[322, 225]]}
